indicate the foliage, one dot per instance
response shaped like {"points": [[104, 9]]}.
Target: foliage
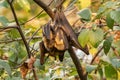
{"points": [[98, 30]]}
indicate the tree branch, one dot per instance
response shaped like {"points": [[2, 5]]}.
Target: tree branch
{"points": [[46, 8], [19, 29], [22, 36], [77, 63]]}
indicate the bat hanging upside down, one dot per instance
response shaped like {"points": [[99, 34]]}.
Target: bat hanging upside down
{"points": [[54, 42], [57, 37]]}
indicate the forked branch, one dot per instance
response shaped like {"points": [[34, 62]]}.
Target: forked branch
{"points": [[22, 35]]}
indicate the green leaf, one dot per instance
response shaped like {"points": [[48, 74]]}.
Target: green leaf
{"points": [[116, 63], [36, 45], [3, 20], [107, 44], [109, 21], [110, 4], [13, 78], [3, 3], [116, 28], [90, 68], [13, 34], [100, 72], [5, 65], [110, 72], [83, 37], [105, 60], [24, 4], [85, 14], [96, 36], [38, 65], [115, 15]]}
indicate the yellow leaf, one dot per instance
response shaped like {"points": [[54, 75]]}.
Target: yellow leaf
{"points": [[85, 3], [57, 72], [24, 4], [93, 51], [118, 75]]}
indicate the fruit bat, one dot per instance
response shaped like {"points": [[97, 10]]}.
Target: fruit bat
{"points": [[54, 42], [66, 27], [58, 37]]}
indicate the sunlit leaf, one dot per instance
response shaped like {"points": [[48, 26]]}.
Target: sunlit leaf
{"points": [[85, 3], [83, 37], [3, 20], [5, 65], [110, 72], [107, 44], [85, 14], [93, 50], [96, 36], [115, 15], [24, 4], [105, 60]]}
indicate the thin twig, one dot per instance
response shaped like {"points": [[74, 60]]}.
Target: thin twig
{"points": [[19, 39], [36, 15], [34, 73], [34, 34], [115, 51], [102, 25], [96, 55], [46, 8], [8, 27], [77, 63], [95, 58], [32, 18]]}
